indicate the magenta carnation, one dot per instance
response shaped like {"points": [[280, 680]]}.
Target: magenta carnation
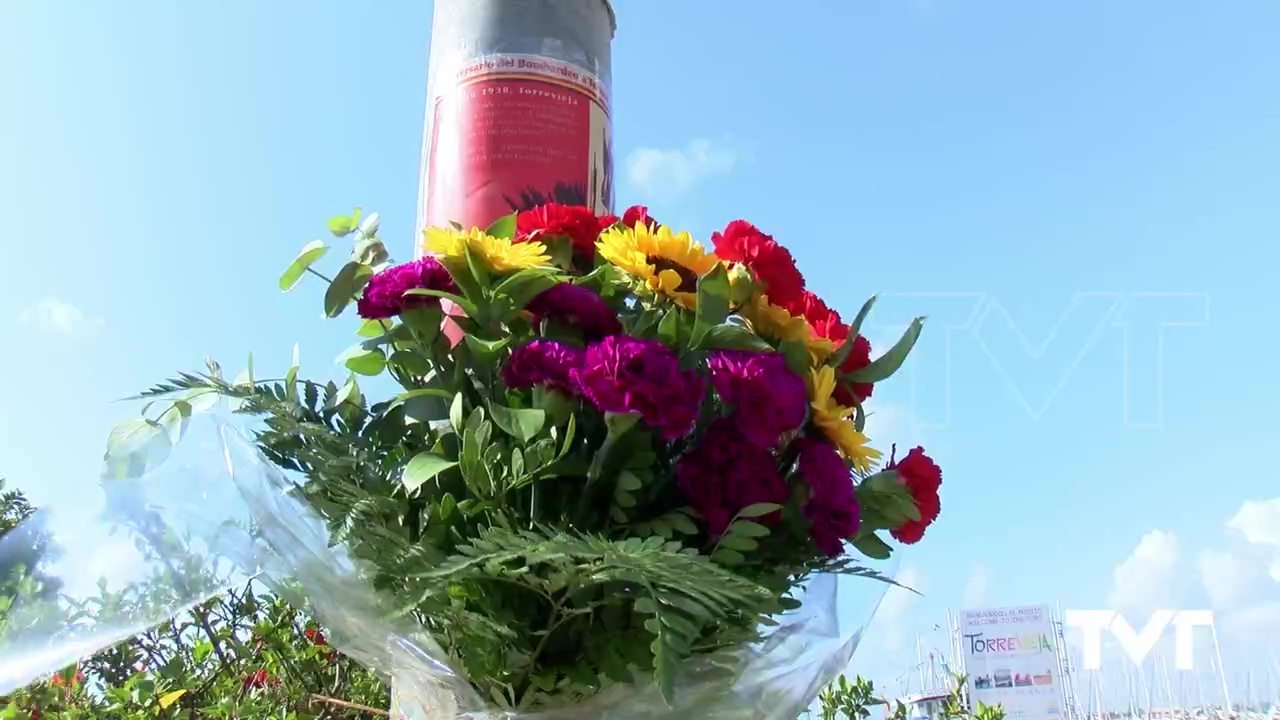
{"points": [[725, 473], [622, 374], [578, 307], [768, 399], [832, 510], [543, 362], [384, 294]]}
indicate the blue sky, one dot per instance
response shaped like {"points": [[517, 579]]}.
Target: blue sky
{"points": [[1052, 184]]}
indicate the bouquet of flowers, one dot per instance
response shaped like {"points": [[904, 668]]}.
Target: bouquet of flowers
{"points": [[610, 453]]}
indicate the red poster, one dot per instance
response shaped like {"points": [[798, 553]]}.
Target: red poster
{"points": [[513, 131]]}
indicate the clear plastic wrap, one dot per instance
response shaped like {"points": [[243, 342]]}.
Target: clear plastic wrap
{"points": [[192, 517]]}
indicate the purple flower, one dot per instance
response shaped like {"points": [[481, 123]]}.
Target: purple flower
{"points": [[543, 362], [578, 307], [727, 472], [833, 511], [622, 374], [384, 295], [768, 399]]}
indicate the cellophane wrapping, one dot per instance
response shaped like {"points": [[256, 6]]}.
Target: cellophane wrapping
{"points": [[184, 515]]}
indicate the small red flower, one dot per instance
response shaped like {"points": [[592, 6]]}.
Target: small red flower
{"points": [[631, 217], [774, 268], [575, 222], [57, 680], [826, 323], [923, 479], [260, 678]]}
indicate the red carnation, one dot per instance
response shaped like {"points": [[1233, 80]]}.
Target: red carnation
{"points": [[826, 323], [631, 217], [774, 268], [260, 678], [575, 222], [922, 477], [316, 636]]}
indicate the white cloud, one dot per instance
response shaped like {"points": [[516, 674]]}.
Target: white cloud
{"points": [[667, 173], [59, 317], [1258, 521], [1146, 578], [975, 590], [1227, 576]]}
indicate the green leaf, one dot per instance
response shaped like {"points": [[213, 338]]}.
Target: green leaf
{"points": [[344, 225], [456, 411], [310, 254], [349, 281], [364, 362], [521, 424], [617, 425], [797, 357], [682, 524], [466, 305], [746, 528], [350, 392], [873, 547], [740, 543], [373, 328], [713, 302], [732, 336], [887, 364], [842, 353], [519, 289], [856, 326], [486, 350], [132, 436], [889, 498], [423, 467], [411, 362], [669, 328], [728, 556], [758, 510], [420, 392], [628, 482], [504, 227]]}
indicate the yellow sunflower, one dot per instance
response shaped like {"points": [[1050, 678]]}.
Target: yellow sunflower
{"points": [[499, 255], [836, 421], [774, 323], [668, 263]]}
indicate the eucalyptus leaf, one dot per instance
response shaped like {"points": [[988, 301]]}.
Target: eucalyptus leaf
{"points": [[349, 281], [521, 424], [309, 255], [364, 362], [343, 225], [873, 547], [423, 468]]}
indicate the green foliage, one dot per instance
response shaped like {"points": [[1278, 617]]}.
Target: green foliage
{"points": [[853, 700], [242, 654]]}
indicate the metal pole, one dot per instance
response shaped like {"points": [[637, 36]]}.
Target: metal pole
{"points": [[518, 114], [518, 96]]}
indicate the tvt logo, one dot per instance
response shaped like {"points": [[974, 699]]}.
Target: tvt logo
{"points": [[1037, 363]]}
